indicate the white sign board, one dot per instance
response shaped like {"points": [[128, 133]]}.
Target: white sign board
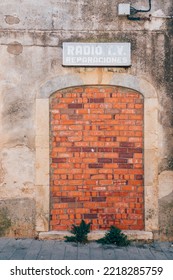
{"points": [[96, 54]]}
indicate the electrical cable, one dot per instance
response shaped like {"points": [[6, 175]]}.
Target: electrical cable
{"points": [[134, 11], [145, 11]]}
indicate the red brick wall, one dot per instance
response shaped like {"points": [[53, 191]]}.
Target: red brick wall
{"points": [[96, 140]]}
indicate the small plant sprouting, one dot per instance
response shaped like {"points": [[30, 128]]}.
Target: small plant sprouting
{"points": [[80, 233], [114, 236], [170, 164]]}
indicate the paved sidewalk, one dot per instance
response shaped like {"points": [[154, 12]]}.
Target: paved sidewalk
{"points": [[31, 249]]}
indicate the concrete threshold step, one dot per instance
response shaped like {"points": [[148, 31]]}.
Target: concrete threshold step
{"points": [[94, 235]]}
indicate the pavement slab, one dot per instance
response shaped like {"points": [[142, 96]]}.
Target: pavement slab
{"points": [[71, 250], [31, 249], [96, 251], [108, 252], [46, 250], [58, 252], [3, 242], [34, 250], [146, 254], [133, 253], [9, 248], [83, 252]]}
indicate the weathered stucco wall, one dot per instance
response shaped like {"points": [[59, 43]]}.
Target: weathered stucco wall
{"points": [[31, 37]]}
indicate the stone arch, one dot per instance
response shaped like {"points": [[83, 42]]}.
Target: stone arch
{"points": [[123, 80], [150, 141]]}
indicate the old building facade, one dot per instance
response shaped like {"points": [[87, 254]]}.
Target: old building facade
{"points": [[85, 142]]}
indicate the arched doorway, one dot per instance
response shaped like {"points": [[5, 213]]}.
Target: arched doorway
{"points": [[96, 158]]}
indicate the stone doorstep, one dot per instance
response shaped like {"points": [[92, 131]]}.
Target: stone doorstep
{"points": [[136, 235]]}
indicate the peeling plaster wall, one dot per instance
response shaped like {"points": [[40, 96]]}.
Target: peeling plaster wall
{"points": [[31, 37]]}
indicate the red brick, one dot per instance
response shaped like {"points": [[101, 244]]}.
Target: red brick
{"points": [[59, 106], [75, 127], [81, 144], [105, 170], [105, 117], [94, 171], [90, 117], [99, 176], [110, 165], [126, 166], [104, 160], [90, 160], [56, 117], [64, 165], [120, 150], [105, 182], [68, 199], [126, 155], [138, 177], [97, 133], [90, 216], [75, 138], [94, 165], [105, 150], [99, 144], [60, 171], [75, 105], [127, 144], [74, 149], [90, 138], [89, 149], [97, 159], [59, 160], [99, 199], [96, 100], [90, 182], [76, 117], [135, 150], [120, 160]]}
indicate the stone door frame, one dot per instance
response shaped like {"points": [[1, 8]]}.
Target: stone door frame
{"points": [[151, 146]]}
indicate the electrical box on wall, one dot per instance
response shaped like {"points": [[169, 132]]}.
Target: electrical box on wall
{"points": [[124, 9]]}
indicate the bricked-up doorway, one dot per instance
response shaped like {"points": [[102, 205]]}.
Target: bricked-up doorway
{"points": [[96, 154]]}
